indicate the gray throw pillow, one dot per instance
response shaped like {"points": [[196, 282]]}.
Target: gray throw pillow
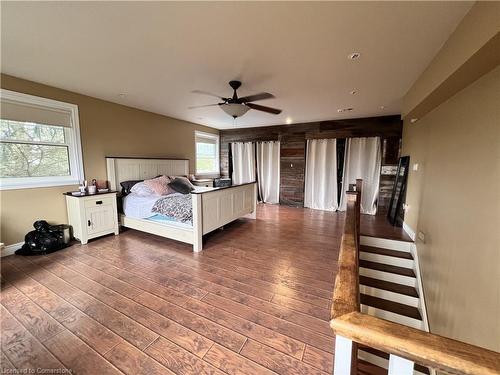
{"points": [[127, 185], [181, 185]]}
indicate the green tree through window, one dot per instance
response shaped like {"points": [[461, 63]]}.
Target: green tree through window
{"points": [[33, 150]]}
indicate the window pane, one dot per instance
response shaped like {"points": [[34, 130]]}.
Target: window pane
{"points": [[206, 157], [205, 149], [31, 132], [205, 165], [27, 160]]}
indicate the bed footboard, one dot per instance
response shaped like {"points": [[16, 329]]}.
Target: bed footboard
{"points": [[214, 208]]}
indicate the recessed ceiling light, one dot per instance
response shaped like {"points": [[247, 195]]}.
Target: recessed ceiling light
{"points": [[354, 56], [353, 92], [288, 120], [340, 110], [382, 107], [413, 120]]}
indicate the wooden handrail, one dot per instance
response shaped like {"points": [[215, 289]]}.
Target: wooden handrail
{"points": [[422, 347], [346, 290], [440, 353]]}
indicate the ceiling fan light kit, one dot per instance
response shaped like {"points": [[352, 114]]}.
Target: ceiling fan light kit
{"points": [[234, 110], [237, 107]]}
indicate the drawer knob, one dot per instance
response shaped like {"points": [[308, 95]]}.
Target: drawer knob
{"points": [[98, 202]]}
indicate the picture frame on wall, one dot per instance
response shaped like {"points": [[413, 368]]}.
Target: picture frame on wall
{"points": [[395, 214]]}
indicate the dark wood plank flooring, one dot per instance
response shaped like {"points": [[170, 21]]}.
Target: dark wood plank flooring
{"points": [[255, 301], [378, 226]]}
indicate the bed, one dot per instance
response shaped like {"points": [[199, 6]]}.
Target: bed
{"points": [[212, 208]]}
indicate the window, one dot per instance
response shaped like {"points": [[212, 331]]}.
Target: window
{"points": [[39, 142], [207, 154]]}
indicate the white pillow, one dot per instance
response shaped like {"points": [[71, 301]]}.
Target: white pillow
{"points": [[142, 189]]}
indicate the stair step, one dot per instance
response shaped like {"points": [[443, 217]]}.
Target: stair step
{"points": [[388, 252], [387, 276], [387, 268], [381, 354], [367, 368], [387, 285], [386, 244], [394, 307]]}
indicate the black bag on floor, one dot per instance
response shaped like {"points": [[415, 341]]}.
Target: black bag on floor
{"points": [[44, 239]]}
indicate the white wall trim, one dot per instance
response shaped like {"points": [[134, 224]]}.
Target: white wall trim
{"points": [[409, 231], [421, 294], [10, 249], [420, 287], [215, 137]]}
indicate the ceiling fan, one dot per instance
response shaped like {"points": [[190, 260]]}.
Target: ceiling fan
{"points": [[237, 107]]}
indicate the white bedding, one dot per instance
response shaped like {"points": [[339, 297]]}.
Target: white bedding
{"points": [[139, 207]]}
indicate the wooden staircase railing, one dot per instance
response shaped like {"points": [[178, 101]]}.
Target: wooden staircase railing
{"points": [[405, 345]]}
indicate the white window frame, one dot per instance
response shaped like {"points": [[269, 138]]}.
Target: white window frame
{"points": [[72, 136], [216, 137]]}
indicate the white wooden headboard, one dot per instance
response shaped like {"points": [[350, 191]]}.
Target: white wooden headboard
{"points": [[123, 169]]}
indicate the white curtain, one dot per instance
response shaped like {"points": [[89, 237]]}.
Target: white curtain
{"points": [[243, 162], [268, 171], [321, 174], [362, 160]]}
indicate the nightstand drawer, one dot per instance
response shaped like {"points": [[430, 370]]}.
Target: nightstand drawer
{"points": [[205, 182], [99, 201]]}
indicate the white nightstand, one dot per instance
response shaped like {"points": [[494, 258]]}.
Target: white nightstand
{"points": [[93, 215], [205, 182]]}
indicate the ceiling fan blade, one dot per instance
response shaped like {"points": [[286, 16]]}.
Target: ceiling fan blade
{"points": [[209, 94], [262, 108], [205, 105], [254, 98]]}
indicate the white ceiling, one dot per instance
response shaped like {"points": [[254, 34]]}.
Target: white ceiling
{"points": [[158, 52]]}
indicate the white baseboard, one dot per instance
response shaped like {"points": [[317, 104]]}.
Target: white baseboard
{"points": [[10, 249], [409, 231], [420, 287]]}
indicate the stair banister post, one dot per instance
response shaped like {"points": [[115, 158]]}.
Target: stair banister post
{"points": [[400, 366], [343, 356]]}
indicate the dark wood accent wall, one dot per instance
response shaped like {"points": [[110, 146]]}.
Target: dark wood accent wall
{"points": [[293, 148], [292, 169]]}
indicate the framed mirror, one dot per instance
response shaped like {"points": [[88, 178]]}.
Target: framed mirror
{"points": [[395, 214]]}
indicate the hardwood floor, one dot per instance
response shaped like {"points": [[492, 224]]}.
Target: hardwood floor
{"points": [[378, 226], [255, 301]]}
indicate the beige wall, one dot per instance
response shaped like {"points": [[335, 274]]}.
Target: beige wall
{"points": [[454, 201], [107, 129], [454, 196], [479, 25]]}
